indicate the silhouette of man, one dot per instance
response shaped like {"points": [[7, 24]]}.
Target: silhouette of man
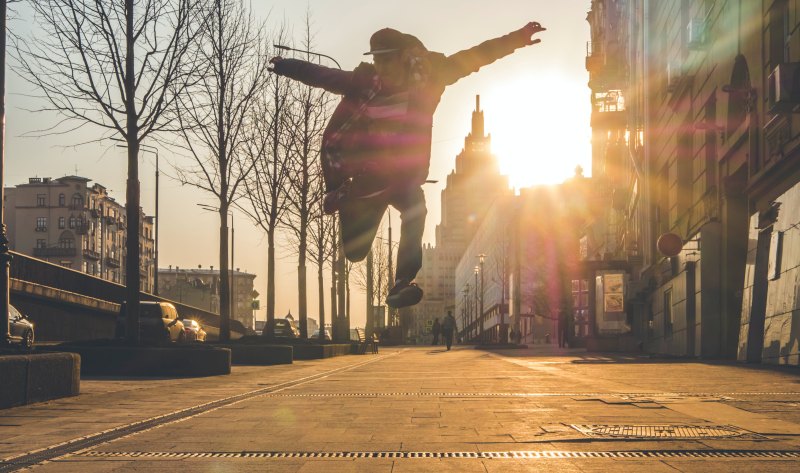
{"points": [[376, 148], [448, 327], [436, 329]]}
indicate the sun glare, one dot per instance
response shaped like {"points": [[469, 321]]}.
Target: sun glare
{"points": [[540, 128]]}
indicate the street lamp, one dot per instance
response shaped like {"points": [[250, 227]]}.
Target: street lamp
{"points": [[231, 308], [479, 316], [481, 257], [287, 48], [464, 314], [5, 256]]}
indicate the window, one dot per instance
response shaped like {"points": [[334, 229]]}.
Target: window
{"points": [[668, 316], [66, 242], [72, 222], [77, 201], [62, 222], [41, 224], [41, 243], [41, 200], [62, 200]]}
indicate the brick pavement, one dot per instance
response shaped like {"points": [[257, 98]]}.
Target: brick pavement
{"points": [[499, 411]]}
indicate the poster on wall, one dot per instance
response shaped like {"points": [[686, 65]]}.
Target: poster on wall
{"points": [[613, 303], [614, 283], [610, 303]]}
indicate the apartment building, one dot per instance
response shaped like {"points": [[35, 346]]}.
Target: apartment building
{"points": [[67, 221], [705, 155], [200, 288]]}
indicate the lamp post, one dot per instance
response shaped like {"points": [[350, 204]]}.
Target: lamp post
{"points": [[287, 48], [5, 256], [229, 282], [464, 313], [481, 258], [478, 316]]}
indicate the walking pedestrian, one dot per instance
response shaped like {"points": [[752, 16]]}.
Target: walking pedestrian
{"points": [[376, 149], [437, 329], [563, 327], [448, 327]]}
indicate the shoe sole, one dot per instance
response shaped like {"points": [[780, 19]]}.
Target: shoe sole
{"points": [[399, 301]]}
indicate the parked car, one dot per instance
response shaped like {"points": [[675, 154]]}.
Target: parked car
{"points": [[20, 327], [315, 335], [158, 323], [194, 331], [284, 329]]}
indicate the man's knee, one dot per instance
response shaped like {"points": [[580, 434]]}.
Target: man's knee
{"points": [[356, 252]]}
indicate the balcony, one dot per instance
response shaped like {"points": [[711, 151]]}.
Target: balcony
{"points": [[91, 254], [40, 229], [608, 109], [112, 262], [54, 252], [81, 229]]}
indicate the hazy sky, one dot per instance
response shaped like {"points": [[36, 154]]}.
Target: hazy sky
{"points": [[536, 106]]}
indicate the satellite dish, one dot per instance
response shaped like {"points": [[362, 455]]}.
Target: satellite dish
{"points": [[669, 244]]}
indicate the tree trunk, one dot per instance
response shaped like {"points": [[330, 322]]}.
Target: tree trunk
{"points": [[224, 276], [269, 327], [321, 296]]}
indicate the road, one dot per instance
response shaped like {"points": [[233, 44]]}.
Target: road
{"points": [[424, 409]]}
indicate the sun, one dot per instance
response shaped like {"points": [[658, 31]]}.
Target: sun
{"points": [[540, 128]]}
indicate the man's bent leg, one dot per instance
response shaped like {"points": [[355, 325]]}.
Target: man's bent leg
{"points": [[359, 220], [411, 205]]}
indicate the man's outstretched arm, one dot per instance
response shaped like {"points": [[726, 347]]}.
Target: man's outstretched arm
{"points": [[466, 62], [335, 81]]}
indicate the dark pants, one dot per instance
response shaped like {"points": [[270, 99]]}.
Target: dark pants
{"points": [[435, 338], [360, 219], [562, 337], [448, 338]]}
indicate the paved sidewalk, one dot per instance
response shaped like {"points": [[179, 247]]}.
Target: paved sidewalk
{"points": [[426, 409]]}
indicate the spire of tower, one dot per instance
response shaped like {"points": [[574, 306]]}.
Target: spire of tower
{"points": [[477, 119]]}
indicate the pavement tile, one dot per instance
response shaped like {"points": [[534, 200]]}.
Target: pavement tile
{"points": [[318, 417]]}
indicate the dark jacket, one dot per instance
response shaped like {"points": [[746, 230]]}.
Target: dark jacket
{"points": [[344, 138]]}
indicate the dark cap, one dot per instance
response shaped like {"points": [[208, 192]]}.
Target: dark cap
{"points": [[389, 40]]}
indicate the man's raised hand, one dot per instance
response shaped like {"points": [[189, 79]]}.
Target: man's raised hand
{"points": [[531, 29]]}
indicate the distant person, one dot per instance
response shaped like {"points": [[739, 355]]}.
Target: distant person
{"points": [[563, 327], [437, 329], [376, 149], [448, 327], [511, 336]]}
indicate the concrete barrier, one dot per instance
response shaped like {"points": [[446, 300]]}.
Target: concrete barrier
{"points": [[173, 361], [252, 354], [38, 377], [315, 352]]}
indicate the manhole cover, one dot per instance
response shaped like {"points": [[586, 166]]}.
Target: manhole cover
{"points": [[664, 431]]}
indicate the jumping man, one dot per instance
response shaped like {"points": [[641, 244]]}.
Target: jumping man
{"points": [[376, 148]]}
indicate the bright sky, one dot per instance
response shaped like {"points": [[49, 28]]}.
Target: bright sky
{"points": [[536, 106]]}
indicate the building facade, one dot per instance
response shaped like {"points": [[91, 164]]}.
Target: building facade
{"points": [[200, 288], [471, 189], [68, 222], [704, 155]]}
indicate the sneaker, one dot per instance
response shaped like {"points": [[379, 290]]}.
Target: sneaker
{"points": [[333, 199], [404, 294]]}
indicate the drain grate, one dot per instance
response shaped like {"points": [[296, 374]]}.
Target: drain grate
{"points": [[514, 454], [665, 431], [628, 397]]}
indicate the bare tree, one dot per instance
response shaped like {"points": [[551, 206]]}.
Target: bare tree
{"points": [[322, 247], [215, 114], [308, 115], [266, 185], [118, 65]]}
